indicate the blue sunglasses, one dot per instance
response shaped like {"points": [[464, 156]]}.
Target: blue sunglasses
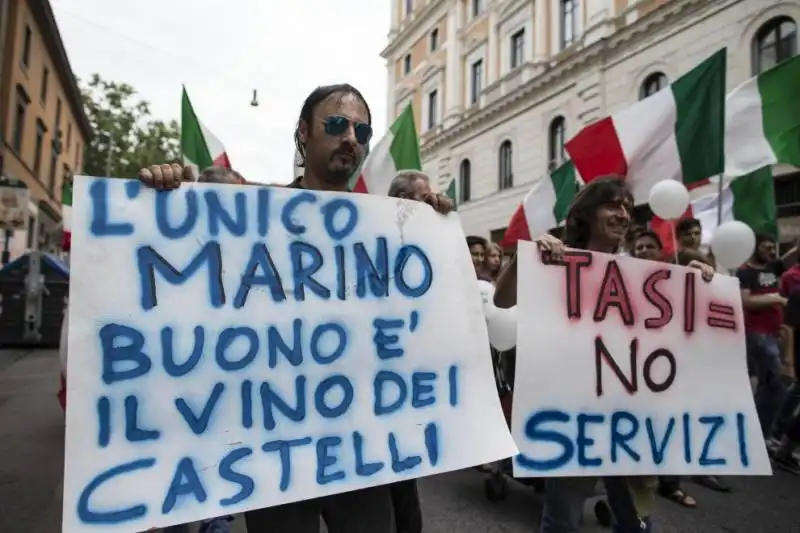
{"points": [[336, 125]]}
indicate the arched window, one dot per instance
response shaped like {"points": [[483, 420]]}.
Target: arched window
{"points": [[774, 42], [506, 176], [464, 179], [652, 84], [556, 140]]}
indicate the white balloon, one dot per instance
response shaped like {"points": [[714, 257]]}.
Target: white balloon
{"points": [[502, 326], [733, 244], [669, 199]]}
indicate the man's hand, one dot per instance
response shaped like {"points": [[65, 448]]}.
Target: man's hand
{"points": [[165, 177], [706, 271], [439, 202], [548, 243]]}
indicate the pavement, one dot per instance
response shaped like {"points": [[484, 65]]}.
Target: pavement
{"points": [[31, 469]]}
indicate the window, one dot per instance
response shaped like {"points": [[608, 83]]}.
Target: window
{"points": [[409, 6], [464, 179], [41, 129], [58, 112], [51, 178], [477, 7], [506, 177], [433, 109], [774, 42], [476, 81], [518, 48], [26, 48], [43, 89], [652, 84], [497, 235], [69, 135], [568, 18], [19, 118], [434, 39], [407, 64], [557, 137]]}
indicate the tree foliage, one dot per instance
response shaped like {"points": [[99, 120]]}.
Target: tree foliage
{"points": [[127, 127]]}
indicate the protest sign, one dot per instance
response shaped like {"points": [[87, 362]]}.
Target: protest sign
{"points": [[238, 347], [631, 368]]}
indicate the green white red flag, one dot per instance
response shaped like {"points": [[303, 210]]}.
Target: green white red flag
{"points": [[397, 150], [545, 206], [749, 199], [677, 133], [66, 214], [200, 148], [763, 120]]}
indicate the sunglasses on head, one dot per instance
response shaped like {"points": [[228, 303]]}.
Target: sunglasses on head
{"points": [[337, 125]]}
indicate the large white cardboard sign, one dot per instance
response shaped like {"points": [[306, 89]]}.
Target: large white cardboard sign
{"points": [[237, 347], [630, 367]]}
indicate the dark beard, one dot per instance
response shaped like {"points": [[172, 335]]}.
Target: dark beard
{"points": [[337, 176]]}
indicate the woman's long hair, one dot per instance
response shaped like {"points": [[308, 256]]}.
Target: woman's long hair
{"points": [[606, 190]]}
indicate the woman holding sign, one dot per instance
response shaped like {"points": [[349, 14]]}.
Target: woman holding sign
{"points": [[598, 220]]}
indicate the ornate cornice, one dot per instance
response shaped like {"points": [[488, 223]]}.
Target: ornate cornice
{"points": [[565, 64], [418, 19]]}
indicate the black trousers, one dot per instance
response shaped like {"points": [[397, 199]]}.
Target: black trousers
{"points": [[668, 485], [361, 511], [407, 510]]}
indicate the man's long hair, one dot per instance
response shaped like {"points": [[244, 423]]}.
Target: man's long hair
{"points": [[601, 191]]}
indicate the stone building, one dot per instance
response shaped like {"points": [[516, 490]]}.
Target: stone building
{"points": [[499, 85], [44, 127]]}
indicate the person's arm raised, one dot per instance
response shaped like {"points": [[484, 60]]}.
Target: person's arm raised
{"points": [[505, 294]]}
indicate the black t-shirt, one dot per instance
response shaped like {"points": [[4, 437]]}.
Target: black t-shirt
{"points": [[763, 280]]}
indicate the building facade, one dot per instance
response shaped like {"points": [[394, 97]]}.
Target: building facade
{"points": [[499, 85], [44, 127]]}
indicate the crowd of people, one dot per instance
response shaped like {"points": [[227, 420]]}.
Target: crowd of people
{"points": [[332, 136]]}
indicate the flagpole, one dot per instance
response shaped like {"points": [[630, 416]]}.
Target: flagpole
{"points": [[719, 199]]}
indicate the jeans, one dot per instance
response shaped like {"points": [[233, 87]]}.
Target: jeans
{"points": [[359, 511], [789, 410], [564, 499], [668, 485], [764, 353]]}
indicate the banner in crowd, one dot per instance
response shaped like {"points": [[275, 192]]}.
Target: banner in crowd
{"points": [[632, 368], [234, 348]]}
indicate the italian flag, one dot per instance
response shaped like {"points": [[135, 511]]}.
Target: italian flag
{"points": [[397, 150], [749, 199], [677, 133], [200, 148], [545, 206], [66, 215], [763, 120]]}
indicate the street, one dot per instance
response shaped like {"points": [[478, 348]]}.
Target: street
{"points": [[31, 464]]}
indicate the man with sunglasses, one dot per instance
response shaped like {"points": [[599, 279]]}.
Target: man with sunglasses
{"points": [[332, 138]]}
